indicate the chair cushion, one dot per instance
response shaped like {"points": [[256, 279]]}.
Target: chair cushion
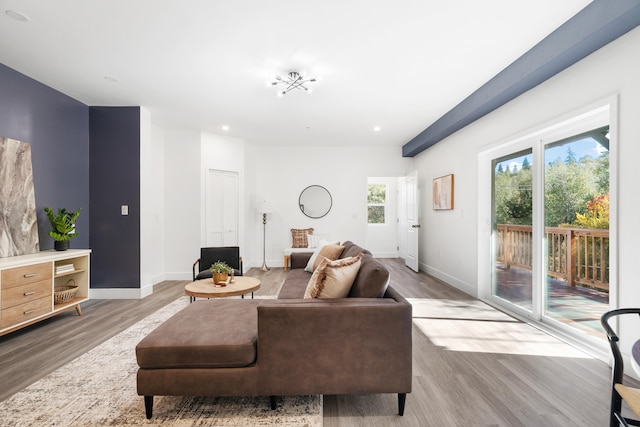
{"points": [[216, 333], [207, 274], [631, 396]]}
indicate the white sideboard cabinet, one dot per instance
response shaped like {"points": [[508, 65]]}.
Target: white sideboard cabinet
{"points": [[28, 284]]}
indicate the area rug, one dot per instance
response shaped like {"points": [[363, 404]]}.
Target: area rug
{"points": [[99, 389]]}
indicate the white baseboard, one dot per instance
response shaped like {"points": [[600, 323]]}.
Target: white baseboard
{"points": [[178, 275], [258, 264], [385, 254], [456, 283], [120, 293], [158, 278]]}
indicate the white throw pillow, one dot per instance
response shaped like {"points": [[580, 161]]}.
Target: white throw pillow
{"points": [[314, 240]]}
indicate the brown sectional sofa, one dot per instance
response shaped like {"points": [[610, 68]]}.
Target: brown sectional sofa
{"points": [[288, 346]]}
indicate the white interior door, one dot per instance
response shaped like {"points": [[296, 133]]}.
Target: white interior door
{"points": [[221, 223], [402, 217], [412, 229]]}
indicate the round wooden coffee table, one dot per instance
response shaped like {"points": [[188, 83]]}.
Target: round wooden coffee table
{"points": [[206, 289]]}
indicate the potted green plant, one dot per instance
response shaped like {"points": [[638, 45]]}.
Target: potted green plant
{"points": [[221, 271], [64, 227]]}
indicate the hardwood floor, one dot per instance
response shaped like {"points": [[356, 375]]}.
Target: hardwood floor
{"points": [[472, 364]]}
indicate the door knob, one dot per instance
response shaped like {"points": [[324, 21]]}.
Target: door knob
{"points": [[415, 226]]}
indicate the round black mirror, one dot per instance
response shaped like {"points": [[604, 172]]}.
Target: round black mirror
{"points": [[315, 201]]}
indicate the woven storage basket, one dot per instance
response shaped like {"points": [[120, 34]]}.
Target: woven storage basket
{"points": [[62, 294]]}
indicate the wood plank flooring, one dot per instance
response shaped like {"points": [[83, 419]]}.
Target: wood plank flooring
{"points": [[472, 364]]}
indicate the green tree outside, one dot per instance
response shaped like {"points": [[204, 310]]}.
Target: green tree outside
{"points": [[376, 201], [570, 186]]}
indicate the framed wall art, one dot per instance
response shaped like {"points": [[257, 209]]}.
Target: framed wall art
{"points": [[443, 193]]}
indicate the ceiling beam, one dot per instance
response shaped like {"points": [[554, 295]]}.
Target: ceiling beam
{"points": [[598, 24]]}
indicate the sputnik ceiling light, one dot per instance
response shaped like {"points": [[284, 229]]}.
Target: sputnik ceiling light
{"points": [[294, 80]]}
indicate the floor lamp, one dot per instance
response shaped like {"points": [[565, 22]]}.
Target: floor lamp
{"points": [[264, 209]]}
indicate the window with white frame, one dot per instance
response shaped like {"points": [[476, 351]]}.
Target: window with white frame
{"points": [[377, 203]]}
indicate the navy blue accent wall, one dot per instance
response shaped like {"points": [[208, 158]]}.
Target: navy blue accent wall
{"points": [[57, 127], [598, 24], [115, 181]]}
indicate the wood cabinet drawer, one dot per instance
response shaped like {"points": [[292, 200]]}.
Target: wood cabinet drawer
{"points": [[23, 312], [28, 274], [25, 293]]}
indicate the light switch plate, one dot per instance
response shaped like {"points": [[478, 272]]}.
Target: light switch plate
{"points": [[124, 210]]}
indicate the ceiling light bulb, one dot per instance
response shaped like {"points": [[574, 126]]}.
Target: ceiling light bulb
{"points": [[377, 129], [225, 127]]}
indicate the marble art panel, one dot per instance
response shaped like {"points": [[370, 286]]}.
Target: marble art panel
{"points": [[18, 218]]}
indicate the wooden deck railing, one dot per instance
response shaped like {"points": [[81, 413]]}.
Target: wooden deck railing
{"points": [[575, 255]]}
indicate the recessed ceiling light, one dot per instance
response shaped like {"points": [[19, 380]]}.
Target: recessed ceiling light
{"points": [[225, 128], [17, 15], [377, 129], [111, 79]]}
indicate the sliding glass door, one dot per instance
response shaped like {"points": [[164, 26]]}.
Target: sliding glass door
{"points": [[546, 225], [576, 216], [512, 213]]}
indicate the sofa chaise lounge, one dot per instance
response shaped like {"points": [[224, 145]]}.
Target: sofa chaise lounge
{"points": [[288, 346]]}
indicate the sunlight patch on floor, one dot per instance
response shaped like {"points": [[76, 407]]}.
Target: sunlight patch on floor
{"points": [[472, 326]]}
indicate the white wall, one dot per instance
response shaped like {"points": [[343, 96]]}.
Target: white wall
{"points": [[157, 238], [449, 238], [187, 155], [279, 174], [182, 202], [151, 203]]}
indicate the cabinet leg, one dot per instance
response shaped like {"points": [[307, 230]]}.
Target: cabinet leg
{"points": [[78, 309]]}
